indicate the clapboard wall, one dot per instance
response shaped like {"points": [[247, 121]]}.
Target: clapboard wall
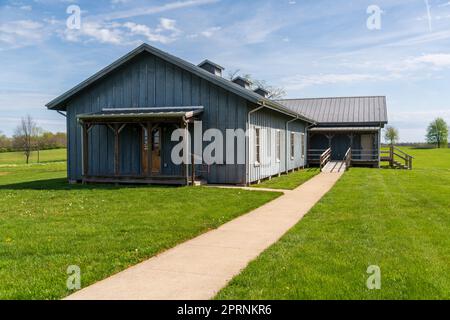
{"points": [[149, 81], [269, 122]]}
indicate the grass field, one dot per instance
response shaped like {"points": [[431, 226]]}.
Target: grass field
{"points": [[289, 181], [397, 220], [44, 157], [47, 225]]}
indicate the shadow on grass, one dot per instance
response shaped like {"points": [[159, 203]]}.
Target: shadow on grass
{"points": [[62, 184]]}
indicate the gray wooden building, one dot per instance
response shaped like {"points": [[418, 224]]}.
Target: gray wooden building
{"points": [[120, 123], [344, 123]]}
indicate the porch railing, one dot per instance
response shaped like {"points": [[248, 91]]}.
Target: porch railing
{"points": [[347, 160], [364, 155], [314, 155], [325, 157], [397, 158]]}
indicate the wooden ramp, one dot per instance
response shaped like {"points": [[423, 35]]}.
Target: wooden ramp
{"points": [[335, 167]]}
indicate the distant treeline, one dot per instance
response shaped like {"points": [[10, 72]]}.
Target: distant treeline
{"points": [[43, 141], [417, 145]]}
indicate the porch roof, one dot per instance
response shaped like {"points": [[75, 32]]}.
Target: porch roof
{"points": [[142, 114], [344, 129]]}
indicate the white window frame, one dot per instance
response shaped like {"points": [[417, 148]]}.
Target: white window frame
{"points": [[303, 144], [257, 144], [292, 145], [278, 145]]}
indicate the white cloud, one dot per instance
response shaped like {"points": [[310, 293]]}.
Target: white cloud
{"points": [[440, 60], [101, 32], [124, 33], [26, 8], [168, 24], [208, 33], [20, 33], [23, 100], [299, 82], [125, 14], [165, 32]]}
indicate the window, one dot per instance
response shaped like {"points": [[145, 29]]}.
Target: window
{"points": [[258, 145], [292, 145], [278, 144], [303, 146]]}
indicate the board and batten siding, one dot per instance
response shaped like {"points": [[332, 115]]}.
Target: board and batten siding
{"points": [[144, 82], [269, 122]]}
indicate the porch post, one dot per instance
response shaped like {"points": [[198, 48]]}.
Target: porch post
{"points": [[330, 137], [116, 150], [85, 150], [150, 149], [187, 150]]}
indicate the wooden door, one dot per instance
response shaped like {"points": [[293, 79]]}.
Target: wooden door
{"points": [[145, 153], [367, 147], [156, 150]]}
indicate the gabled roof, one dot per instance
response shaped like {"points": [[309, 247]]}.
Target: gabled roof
{"points": [[341, 110], [59, 103]]}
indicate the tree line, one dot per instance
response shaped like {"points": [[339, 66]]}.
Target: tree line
{"points": [[29, 137], [437, 134]]}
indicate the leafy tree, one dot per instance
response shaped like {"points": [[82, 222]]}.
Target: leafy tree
{"points": [[391, 135], [437, 132], [5, 143]]}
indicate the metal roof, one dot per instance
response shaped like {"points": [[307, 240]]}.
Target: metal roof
{"points": [[341, 110], [60, 102], [143, 113], [211, 63]]}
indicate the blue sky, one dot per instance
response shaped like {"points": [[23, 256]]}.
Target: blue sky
{"points": [[311, 48]]}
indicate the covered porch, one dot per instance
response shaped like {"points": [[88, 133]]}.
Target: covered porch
{"points": [[335, 143], [133, 145]]}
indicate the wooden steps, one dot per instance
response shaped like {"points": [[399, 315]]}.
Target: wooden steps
{"points": [[335, 167], [397, 158]]}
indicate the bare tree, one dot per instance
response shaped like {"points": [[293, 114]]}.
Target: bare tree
{"points": [[274, 92], [233, 74], [38, 142], [25, 135]]}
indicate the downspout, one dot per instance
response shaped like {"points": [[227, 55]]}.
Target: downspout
{"points": [[248, 167], [188, 149], [379, 146]]}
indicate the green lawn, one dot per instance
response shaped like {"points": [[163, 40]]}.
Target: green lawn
{"points": [[47, 225], [397, 220], [44, 156], [289, 181]]}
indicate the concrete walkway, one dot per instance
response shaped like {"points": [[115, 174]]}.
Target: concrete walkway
{"points": [[199, 268]]}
